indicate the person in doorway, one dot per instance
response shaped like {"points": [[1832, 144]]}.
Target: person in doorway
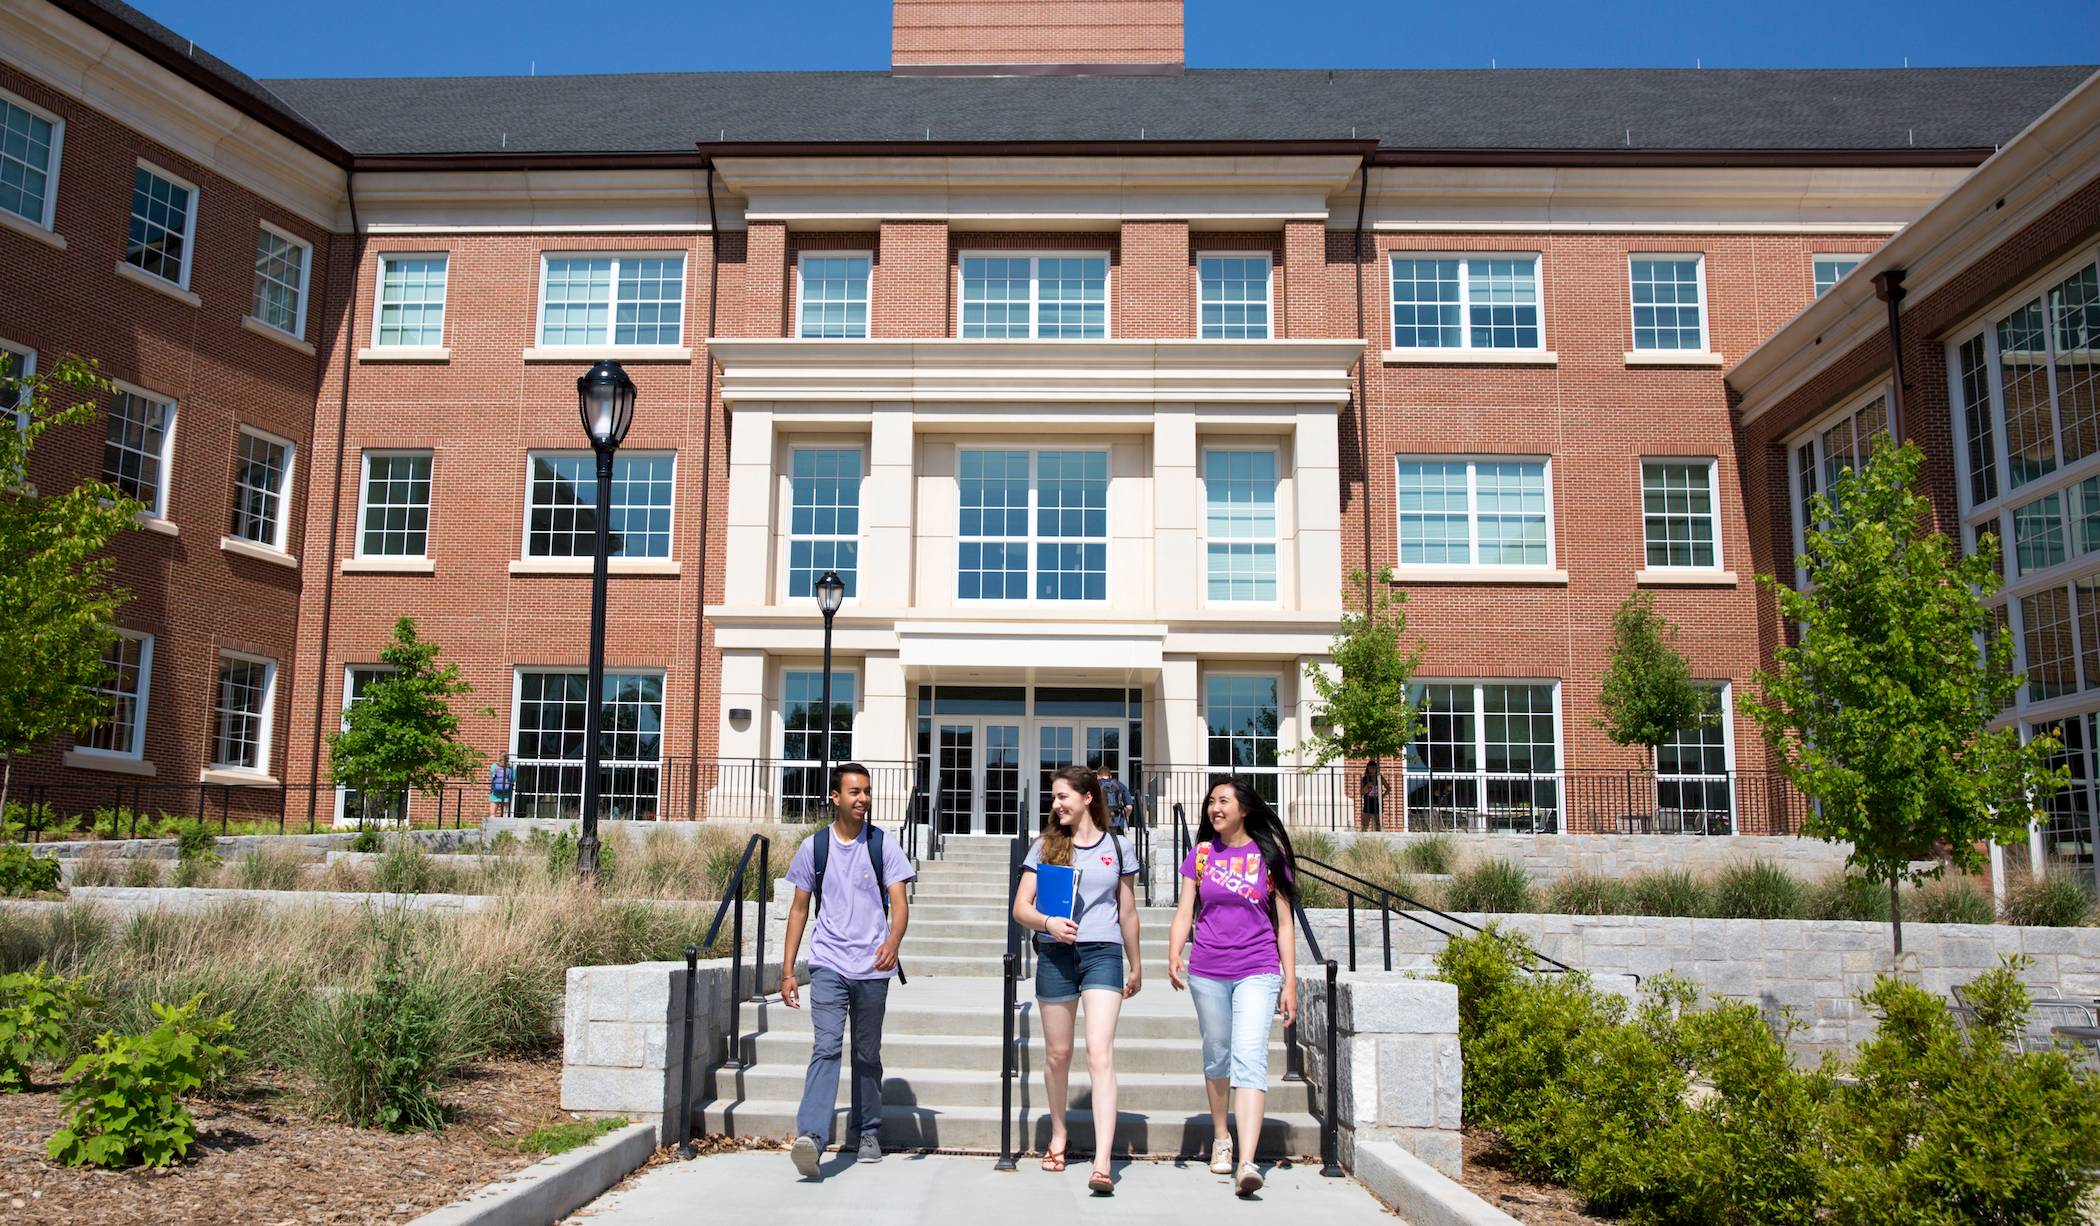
{"points": [[1244, 967], [501, 780], [852, 956], [1090, 956], [1119, 799]]}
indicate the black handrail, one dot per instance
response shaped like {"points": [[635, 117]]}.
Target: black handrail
{"points": [[1010, 974], [733, 897], [1383, 896]]}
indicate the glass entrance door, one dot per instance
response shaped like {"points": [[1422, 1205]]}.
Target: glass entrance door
{"points": [[1000, 797], [978, 789], [1096, 746], [955, 782]]}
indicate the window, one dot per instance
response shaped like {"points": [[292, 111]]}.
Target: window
{"points": [[1242, 716], [834, 294], [262, 472], [2028, 379], [281, 265], [1466, 302], [129, 661], [30, 140], [1233, 298], [393, 521], [351, 804], [1486, 757], [163, 221], [1839, 443], [562, 506], [1693, 772], [548, 731], [803, 787], [17, 364], [241, 714], [1239, 524], [1828, 268], [135, 455], [1677, 513], [1041, 296], [612, 299], [411, 310], [824, 518], [1669, 302], [2051, 657], [1033, 522], [1483, 512]]}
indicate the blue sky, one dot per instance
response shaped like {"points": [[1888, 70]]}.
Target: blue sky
{"points": [[449, 37]]}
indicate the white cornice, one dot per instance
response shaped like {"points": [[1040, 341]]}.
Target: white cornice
{"points": [[988, 638], [1105, 371], [536, 201], [95, 70], [2057, 155]]}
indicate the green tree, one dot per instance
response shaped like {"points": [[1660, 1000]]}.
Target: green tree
{"points": [[402, 734], [1364, 692], [1882, 711], [58, 605], [1648, 695]]}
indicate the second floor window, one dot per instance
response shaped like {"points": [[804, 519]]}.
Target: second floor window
{"points": [[1482, 301], [612, 300], [1669, 302], [824, 518], [1233, 297], [29, 148], [163, 223], [261, 471], [411, 310], [1029, 296], [1828, 268], [394, 518], [281, 263], [1484, 512], [1239, 525], [833, 296], [1034, 525], [562, 511], [135, 453], [1677, 513]]}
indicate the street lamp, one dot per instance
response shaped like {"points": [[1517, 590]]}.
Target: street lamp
{"points": [[831, 592], [605, 401]]}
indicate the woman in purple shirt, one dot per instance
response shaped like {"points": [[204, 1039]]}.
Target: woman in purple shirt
{"points": [[1245, 962]]}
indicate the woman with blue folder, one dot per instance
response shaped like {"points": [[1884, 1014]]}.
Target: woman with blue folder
{"points": [[1077, 895]]}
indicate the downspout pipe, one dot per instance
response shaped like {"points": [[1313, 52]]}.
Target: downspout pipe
{"points": [[1373, 782], [335, 503], [707, 475], [1888, 286]]}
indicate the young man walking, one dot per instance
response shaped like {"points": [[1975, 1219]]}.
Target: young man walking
{"points": [[857, 878]]}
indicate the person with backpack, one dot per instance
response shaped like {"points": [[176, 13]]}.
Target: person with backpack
{"points": [[1092, 954], [1244, 967], [501, 780], [1119, 798], [857, 878]]}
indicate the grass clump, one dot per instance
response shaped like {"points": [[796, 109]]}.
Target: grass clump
{"points": [[1430, 854], [1494, 885], [267, 869], [1579, 893], [367, 841], [1669, 891], [379, 1055], [565, 1136], [2055, 900], [1951, 900], [1845, 896], [97, 868], [141, 873], [405, 868], [1759, 889]]}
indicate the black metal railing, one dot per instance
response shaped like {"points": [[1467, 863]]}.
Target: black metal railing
{"points": [[1010, 988], [1357, 890], [732, 906]]}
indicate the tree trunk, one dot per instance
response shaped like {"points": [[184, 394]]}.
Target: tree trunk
{"points": [[1896, 914]]}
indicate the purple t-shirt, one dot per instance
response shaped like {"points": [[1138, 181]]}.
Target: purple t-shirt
{"points": [[1234, 938], [846, 934]]}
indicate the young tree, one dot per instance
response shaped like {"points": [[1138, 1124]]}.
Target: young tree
{"points": [[401, 734], [1648, 692], [57, 603], [1882, 713], [1364, 693]]}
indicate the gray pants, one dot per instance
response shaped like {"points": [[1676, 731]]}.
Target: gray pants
{"points": [[832, 998]]}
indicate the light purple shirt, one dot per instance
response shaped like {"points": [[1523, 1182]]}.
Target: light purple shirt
{"points": [[846, 934]]}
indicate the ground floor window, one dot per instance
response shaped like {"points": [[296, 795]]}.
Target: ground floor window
{"points": [[1486, 757], [2069, 832], [1242, 714], [351, 804], [1694, 783], [548, 734], [803, 788]]}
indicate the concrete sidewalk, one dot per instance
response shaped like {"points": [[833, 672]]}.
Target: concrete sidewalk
{"points": [[907, 1189]]}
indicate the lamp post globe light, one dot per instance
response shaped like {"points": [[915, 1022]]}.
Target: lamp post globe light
{"points": [[605, 402], [831, 592]]}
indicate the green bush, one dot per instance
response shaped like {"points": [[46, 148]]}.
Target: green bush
{"points": [[1844, 896], [378, 1056], [141, 873], [125, 1095], [1494, 885], [1580, 893], [1430, 854], [1757, 890], [267, 870], [1669, 891], [36, 1009], [366, 841], [23, 873], [194, 840], [1951, 900], [2059, 899]]}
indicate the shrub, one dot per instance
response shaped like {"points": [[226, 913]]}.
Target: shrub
{"points": [[1432, 854], [1844, 896], [366, 841], [505, 842], [2055, 900], [194, 840], [1493, 885], [141, 873], [1668, 891], [1952, 900], [125, 1094], [194, 871], [97, 868], [1759, 889], [561, 856], [378, 1056], [35, 1010], [1581, 893], [22, 872]]}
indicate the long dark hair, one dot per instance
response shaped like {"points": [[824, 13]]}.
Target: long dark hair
{"points": [[1264, 826]]}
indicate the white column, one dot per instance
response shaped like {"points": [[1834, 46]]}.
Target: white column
{"points": [[1182, 739], [936, 521], [1316, 483], [1176, 564], [886, 510], [748, 554], [882, 733]]}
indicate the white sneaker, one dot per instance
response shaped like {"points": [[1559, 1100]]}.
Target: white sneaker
{"points": [[1250, 1179], [1221, 1156], [805, 1152]]}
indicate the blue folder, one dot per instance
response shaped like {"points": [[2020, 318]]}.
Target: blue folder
{"points": [[1053, 890]]}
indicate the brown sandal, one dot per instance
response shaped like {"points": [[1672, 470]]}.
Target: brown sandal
{"points": [[1101, 1183], [1053, 1160]]}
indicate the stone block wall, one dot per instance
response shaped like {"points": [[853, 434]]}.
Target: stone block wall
{"points": [[1549, 856], [1397, 1073]]}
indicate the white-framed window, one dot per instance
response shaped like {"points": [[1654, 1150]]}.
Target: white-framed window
{"points": [[803, 789], [547, 748], [831, 293], [1829, 266], [1486, 756], [1669, 303], [17, 365], [1480, 300], [283, 262], [136, 454], [1060, 296], [411, 309], [1242, 713], [350, 803], [163, 224], [393, 515], [561, 505], [242, 708], [1239, 525], [604, 298], [1838, 442], [31, 139], [1034, 525], [823, 518], [262, 473], [1695, 770], [1233, 298], [125, 687], [1679, 521], [1475, 511]]}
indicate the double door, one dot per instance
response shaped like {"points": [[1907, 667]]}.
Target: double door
{"points": [[992, 774]]}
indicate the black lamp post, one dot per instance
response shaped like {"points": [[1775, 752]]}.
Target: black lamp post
{"points": [[605, 400], [831, 592]]}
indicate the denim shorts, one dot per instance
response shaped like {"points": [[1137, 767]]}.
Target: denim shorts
{"points": [[1063, 971], [1234, 1016]]}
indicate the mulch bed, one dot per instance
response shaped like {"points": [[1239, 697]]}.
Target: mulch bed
{"points": [[263, 1160], [1488, 1176]]}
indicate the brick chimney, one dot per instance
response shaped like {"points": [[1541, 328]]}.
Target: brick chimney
{"points": [[990, 38]]}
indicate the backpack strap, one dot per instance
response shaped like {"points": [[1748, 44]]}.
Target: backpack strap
{"points": [[822, 854]]}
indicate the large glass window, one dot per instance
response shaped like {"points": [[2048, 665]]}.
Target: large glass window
{"points": [[411, 311], [261, 473], [394, 519], [562, 512], [1034, 525], [128, 661], [241, 713], [163, 223], [1677, 513], [1669, 302], [1828, 268], [1481, 301], [280, 280], [1843, 442], [612, 299], [351, 804], [824, 518], [29, 145], [1242, 715], [802, 784], [834, 294], [1239, 525], [135, 451], [1233, 297], [1486, 757], [1042, 296], [1693, 772], [1474, 512], [549, 733]]}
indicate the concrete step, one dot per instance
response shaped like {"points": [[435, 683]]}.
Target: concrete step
{"points": [[927, 908], [1176, 1093], [906, 1127], [961, 1008], [902, 1052], [974, 967]]}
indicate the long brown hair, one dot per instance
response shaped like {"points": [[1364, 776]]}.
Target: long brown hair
{"points": [[1057, 841]]}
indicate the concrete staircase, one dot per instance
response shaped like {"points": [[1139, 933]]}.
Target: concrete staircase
{"points": [[942, 1033]]}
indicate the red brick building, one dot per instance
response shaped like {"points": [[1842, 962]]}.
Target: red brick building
{"points": [[1094, 376]]}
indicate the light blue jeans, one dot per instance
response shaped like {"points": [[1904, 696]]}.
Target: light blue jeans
{"points": [[1234, 1015]]}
